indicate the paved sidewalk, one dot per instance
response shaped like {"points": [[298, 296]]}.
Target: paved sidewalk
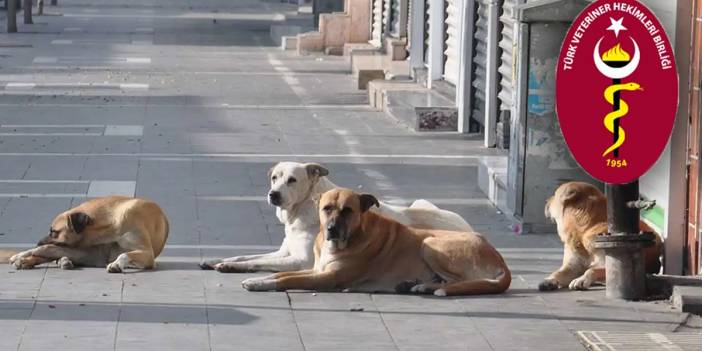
{"points": [[189, 103]]}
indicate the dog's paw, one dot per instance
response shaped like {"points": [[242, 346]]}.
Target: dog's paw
{"points": [[65, 263], [440, 292], [548, 285], [209, 264], [114, 267], [258, 284], [22, 262], [422, 289], [232, 267], [580, 283], [406, 286], [16, 258]]}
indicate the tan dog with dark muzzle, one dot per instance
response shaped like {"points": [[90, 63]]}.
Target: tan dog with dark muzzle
{"points": [[359, 250], [117, 232]]}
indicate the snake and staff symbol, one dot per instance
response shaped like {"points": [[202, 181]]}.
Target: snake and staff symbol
{"points": [[617, 64]]}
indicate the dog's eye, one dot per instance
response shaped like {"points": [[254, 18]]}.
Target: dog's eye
{"points": [[346, 210], [274, 178], [53, 233], [328, 208], [292, 180]]}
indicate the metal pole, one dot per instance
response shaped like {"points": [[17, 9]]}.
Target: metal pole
{"points": [[617, 105], [624, 244]]}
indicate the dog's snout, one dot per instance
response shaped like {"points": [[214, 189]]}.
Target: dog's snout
{"points": [[274, 197], [332, 231], [43, 241]]}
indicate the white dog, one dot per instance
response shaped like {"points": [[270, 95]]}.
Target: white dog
{"points": [[295, 190]]}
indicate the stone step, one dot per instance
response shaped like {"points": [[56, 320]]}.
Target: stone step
{"points": [[688, 298], [349, 48], [492, 180], [278, 32], [421, 109], [374, 59], [378, 89]]}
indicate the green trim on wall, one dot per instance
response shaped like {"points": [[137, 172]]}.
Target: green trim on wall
{"points": [[655, 217]]}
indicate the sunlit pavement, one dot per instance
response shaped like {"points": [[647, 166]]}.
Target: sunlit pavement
{"points": [[189, 103]]}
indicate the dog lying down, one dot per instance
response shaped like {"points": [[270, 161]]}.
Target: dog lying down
{"points": [[361, 251], [295, 189], [580, 212], [117, 232]]}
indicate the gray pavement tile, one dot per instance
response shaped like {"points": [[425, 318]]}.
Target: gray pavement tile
{"points": [[68, 335], [99, 168], [53, 168], [164, 335], [101, 188]]}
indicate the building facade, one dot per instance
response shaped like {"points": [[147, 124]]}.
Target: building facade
{"points": [[488, 66]]}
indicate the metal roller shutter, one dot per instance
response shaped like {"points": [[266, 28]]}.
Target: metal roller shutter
{"points": [[386, 15], [453, 40], [427, 13], [506, 87], [377, 32], [395, 18], [480, 61]]}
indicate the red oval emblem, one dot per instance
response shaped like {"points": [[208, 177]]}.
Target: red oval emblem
{"points": [[616, 90]]}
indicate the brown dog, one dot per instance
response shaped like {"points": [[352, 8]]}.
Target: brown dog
{"points": [[359, 250], [117, 232], [580, 212]]}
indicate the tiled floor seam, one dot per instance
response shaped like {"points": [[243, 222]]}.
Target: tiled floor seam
{"points": [[119, 315], [475, 325], [294, 319], [382, 321], [34, 307]]}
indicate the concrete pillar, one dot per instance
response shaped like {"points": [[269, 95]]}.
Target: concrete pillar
{"points": [[539, 159], [28, 12], [416, 35], [436, 41], [12, 16], [464, 89], [493, 62]]}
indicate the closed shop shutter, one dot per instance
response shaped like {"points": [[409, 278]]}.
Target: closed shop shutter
{"points": [[377, 32], [395, 18], [453, 40], [386, 15], [427, 14], [480, 61], [506, 69]]}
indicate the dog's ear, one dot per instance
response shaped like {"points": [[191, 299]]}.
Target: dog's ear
{"points": [[367, 201], [270, 173], [547, 208], [78, 221], [570, 196], [315, 170]]}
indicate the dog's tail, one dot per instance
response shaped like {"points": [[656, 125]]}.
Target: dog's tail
{"points": [[478, 286], [421, 203], [5, 255], [438, 218]]}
